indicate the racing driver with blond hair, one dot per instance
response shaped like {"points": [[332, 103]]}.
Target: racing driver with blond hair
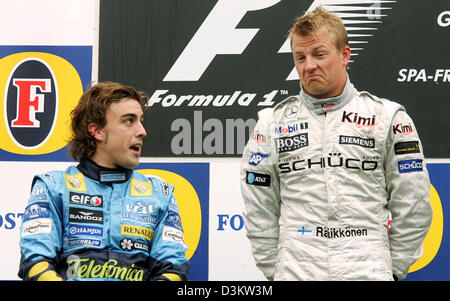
{"points": [[334, 179]]}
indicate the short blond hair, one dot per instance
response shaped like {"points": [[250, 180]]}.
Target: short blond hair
{"points": [[320, 21]]}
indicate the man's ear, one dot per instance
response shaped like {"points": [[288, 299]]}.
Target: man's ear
{"points": [[346, 55], [96, 131]]}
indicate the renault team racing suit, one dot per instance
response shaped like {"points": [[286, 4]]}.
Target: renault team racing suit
{"points": [[322, 178], [94, 223]]}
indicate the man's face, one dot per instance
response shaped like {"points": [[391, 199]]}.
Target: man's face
{"points": [[119, 143], [320, 66]]}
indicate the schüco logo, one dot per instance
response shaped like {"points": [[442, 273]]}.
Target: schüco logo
{"points": [[38, 92]]}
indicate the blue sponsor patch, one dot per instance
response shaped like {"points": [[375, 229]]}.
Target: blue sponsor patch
{"points": [[255, 158], [173, 220], [75, 242], [410, 165], [84, 230], [139, 210], [36, 210]]}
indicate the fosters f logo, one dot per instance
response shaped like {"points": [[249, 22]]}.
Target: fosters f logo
{"points": [[37, 92], [27, 98]]}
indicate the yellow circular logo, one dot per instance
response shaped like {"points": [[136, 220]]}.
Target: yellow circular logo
{"points": [[38, 91], [188, 204], [433, 239]]}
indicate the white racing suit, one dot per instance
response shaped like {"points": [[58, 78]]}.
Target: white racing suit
{"points": [[323, 179]]}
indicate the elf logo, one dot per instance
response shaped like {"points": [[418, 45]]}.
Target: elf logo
{"points": [[33, 119], [31, 103]]}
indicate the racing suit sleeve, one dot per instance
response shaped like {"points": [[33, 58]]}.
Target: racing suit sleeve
{"points": [[168, 261], [408, 188], [261, 194], [41, 232]]}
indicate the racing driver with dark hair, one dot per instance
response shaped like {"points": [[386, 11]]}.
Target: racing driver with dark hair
{"points": [[101, 220]]}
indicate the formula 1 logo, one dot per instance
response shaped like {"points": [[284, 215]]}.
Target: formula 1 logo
{"points": [[37, 92], [218, 33]]}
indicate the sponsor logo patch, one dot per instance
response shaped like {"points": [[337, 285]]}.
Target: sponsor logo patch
{"points": [[36, 210], [407, 147], [256, 158], [132, 230], [84, 230], [79, 215], [363, 142], [129, 245], [412, 165], [74, 242], [291, 143], [86, 199], [37, 226], [257, 179]]}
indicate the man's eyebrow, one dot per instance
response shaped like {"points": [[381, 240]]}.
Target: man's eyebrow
{"points": [[128, 115], [132, 115]]}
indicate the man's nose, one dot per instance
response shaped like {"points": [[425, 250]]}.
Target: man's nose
{"points": [[310, 64], [141, 132]]}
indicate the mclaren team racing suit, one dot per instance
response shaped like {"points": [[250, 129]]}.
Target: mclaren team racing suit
{"points": [[93, 223], [321, 179]]}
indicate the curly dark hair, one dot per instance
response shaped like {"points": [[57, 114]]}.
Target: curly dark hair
{"points": [[92, 108]]}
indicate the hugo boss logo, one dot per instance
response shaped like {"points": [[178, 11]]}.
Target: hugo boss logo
{"points": [[38, 90], [291, 143]]}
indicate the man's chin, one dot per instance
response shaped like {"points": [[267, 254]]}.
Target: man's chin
{"points": [[316, 91], [130, 164]]}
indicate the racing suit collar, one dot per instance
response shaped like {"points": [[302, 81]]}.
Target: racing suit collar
{"points": [[321, 106], [103, 174]]}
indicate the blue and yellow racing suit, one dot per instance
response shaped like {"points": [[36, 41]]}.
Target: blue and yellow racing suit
{"points": [[95, 223]]}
